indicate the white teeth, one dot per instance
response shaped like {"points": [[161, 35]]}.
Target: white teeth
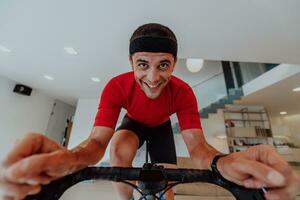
{"points": [[153, 86]]}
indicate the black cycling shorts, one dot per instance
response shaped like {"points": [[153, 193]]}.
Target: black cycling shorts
{"points": [[161, 140]]}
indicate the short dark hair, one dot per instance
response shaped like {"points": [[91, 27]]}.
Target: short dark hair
{"points": [[154, 30]]}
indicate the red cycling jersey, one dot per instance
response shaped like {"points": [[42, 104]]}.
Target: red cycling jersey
{"points": [[124, 92]]}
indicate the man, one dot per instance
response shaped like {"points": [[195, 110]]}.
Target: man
{"points": [[150, 94]]}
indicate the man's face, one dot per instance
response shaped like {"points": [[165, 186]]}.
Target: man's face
{"points": [[152, 71]]}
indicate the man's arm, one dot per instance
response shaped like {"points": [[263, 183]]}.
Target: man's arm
{"points": [[200, 151], [90, 151]]}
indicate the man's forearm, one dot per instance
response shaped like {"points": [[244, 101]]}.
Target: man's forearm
{"points": [[200, 151], [203, 155], [89, 152]]}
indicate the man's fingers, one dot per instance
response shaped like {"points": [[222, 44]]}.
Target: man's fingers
{"points": [[287, 193], [31, 144], [230, 174], [40, 179], [254, 183], [7, 198], [18, 191], [268, 155], [259, 173], [39, 169], [27, 169]]}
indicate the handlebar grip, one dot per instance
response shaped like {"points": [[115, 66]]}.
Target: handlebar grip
{"points": [[195, 175], [55, 189]]}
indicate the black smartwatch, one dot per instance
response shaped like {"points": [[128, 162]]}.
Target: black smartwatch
{"points": [[214, 164]]}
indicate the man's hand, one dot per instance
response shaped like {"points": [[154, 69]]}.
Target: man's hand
{"points": [[261, 166], [35, 160]]}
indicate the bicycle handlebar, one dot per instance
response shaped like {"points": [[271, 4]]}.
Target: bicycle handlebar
{"points": [[55, 189]]}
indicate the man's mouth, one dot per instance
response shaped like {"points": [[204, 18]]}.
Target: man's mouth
{"points": [[152, 86]]}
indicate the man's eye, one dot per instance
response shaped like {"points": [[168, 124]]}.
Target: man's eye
{"points": [[143, 65], [163, 66]]}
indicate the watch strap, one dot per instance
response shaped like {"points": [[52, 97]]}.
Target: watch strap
{"points": [[213, 166]]}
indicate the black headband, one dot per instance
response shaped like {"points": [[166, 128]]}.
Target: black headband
{"points": [[153, 44]]}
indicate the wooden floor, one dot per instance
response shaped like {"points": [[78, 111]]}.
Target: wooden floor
{"points": [[90, 191]]}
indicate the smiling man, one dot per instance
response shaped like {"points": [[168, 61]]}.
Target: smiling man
{"points": [[150, 94]]}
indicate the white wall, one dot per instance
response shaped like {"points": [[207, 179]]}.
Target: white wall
{"points": [[20, 114], [83, 121], [287, 126], [213, 127], [293, 123]]}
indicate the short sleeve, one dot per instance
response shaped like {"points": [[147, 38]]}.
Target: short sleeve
{"points": [[187, 109], [111, 102]]}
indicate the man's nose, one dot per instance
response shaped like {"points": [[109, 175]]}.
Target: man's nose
{"points": [[153, 75]]}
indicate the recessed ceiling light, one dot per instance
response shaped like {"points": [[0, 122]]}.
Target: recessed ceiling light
{"points": [[70, 50], [4, 49], [49, 77], [283, 113], [95, 79], [296, 89]]}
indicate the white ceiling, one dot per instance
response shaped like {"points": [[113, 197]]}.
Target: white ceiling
{"points": [[36, 31]]}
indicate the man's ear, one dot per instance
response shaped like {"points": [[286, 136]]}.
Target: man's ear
{"points": [[131, 61]]}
